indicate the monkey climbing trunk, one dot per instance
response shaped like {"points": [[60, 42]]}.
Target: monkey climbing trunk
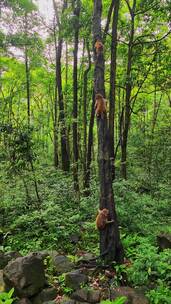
{"points": [[110, 245]]}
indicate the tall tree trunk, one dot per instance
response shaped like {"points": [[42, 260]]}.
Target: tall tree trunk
{"points": [[113, 85], [27, 70], [110, 245], [27, 85], [55, 121], [85, 77], [127, 112], [62, 121], [89, 149], [77, 6]]}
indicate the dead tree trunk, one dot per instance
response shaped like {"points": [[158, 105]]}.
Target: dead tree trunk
{"points": [[110, 245]]}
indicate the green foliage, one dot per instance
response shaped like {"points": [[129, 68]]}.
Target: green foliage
{"points": [[150, 266], [6, 297], [119, 300], [63, 288], [160, 295]]}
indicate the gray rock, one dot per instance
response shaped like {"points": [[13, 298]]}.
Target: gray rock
{"points": [[80, 295], [61, 263], [26, 275], [164, 240], [42, 254], [77, 302], [74, 238], [94, 296], [87, 257], [133, 296], [75, 278], [46, 295], [67, 300], [86, 295], [49, 302], [7, 257], [23, 301]]}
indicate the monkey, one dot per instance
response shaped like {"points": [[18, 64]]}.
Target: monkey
{"points": [[102, 219], [100, 105], [98, 46]]}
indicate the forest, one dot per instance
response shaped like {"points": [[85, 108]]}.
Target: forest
{"points": [[85, 151]]}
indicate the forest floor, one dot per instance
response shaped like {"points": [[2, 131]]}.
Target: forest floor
{"points": [[65, 224]]}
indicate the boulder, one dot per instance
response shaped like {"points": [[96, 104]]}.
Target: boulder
{"points": [[133, 296], [67, 300], [164, 240], [87, 257], [23, 301], [94, 296], [80, 295], [75, 278], [26, 275], [7, 257], [46, 295], [74, 238], [61, 263], [42, 254], [86, 295]]}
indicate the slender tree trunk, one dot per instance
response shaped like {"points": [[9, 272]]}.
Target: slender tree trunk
{"points": [[113, 85], [77, 6], [127, 112], [89, 149], [110, 245], [62, 121], [85, 114], [55, 121], [27, 84], [27, 71], [35, 183]]}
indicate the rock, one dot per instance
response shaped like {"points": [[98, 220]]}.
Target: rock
{"points": [[87, 257], [80, 295], [26, 275], [23, 301], [42, 254], [164, 240], [86, 295], [74, 238], [75, 278], [61, 263], [2, 285], [7, 257], [133, 296], [50, 302], [94, 296], [67, 300], [46, 295]]}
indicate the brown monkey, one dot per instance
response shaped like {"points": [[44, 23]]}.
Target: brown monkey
{"points": [[98, 47], [100, 105], [102, 219]]}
